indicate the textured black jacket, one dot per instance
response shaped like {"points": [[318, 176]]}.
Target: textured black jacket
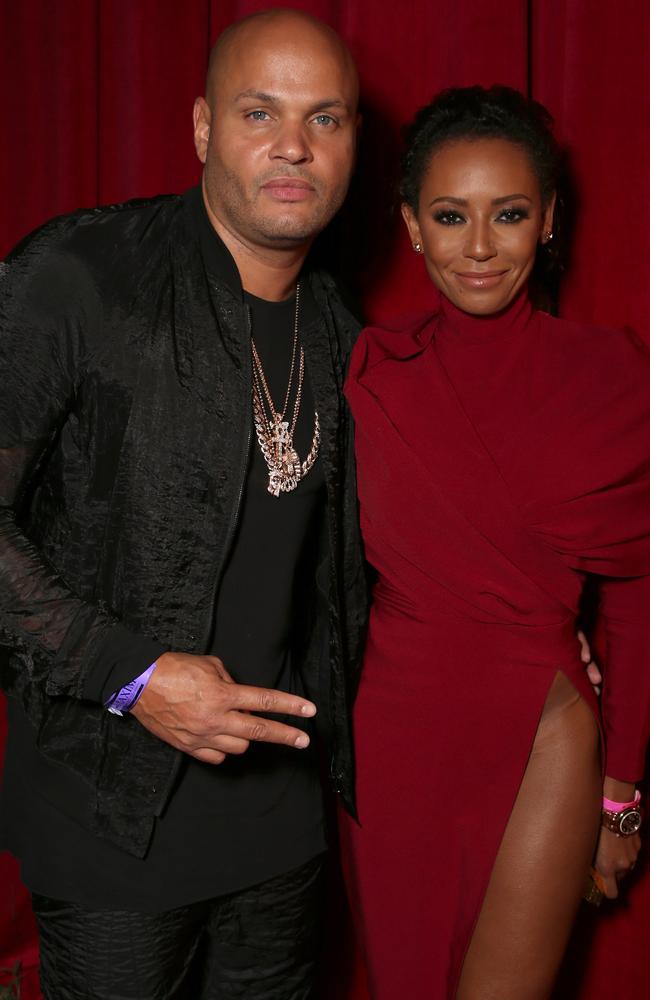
{"points": [[125, 433]]}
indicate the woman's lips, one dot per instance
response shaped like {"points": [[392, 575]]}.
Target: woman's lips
{"points": [[480, 279], [288, 189]]}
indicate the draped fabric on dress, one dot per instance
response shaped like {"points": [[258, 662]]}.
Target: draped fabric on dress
{"points": [[501, 460]]}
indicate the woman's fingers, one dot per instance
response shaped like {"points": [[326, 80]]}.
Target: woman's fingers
{"points": [[615, 858], [611, 886]]}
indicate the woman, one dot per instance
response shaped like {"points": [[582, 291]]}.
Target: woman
{"points": [[503, 457]]}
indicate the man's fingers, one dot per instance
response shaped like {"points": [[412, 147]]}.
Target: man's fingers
{"points": [[208, 756], [222, 672], [594, 674], [256, 699], [260, 730], [230, 744], [585, 651]]}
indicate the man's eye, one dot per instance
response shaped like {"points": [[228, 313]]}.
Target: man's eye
{"points": [[512, 215], [258, 116], [325, 120], [448, 218]]}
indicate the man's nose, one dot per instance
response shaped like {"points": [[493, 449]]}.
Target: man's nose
{"points": [[292, 143]]}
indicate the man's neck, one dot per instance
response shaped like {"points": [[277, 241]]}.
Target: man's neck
{"points": [[267, 273]]}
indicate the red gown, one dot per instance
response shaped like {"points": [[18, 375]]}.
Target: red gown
{"points": [[500, 461]]}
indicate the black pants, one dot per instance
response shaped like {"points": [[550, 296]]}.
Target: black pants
{"points": [[259, 944]]}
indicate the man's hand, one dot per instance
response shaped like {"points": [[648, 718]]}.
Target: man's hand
{"points": [[193, 703], [593, 673]]}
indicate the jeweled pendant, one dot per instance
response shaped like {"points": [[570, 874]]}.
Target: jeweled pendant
{"points": [[275, 482], [286, 473]]}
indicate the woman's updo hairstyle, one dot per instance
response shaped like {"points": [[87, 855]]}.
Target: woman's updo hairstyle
{"points": [[479, 113]]}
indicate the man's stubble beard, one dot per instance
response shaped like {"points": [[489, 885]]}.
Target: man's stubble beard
{"points": [[242, 217]]}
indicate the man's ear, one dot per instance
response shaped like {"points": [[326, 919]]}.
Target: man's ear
{"points": [[202, 117]]}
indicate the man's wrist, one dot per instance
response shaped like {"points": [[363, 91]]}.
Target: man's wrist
{"points": [[123, 700], [121, 655]]}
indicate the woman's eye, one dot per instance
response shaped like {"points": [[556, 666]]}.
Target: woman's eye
{"points": [[257, 115], [512, 215], [448, 218]]}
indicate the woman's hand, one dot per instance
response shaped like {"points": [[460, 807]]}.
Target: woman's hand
{"points": [[615, 858]]}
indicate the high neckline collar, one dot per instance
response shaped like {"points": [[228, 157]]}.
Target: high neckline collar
{"points": [[466, 328]]}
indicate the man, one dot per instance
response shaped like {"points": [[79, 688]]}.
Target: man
{"points": [[181, 582]]}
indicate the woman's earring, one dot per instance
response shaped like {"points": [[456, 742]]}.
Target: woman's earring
{"points": [[417, 247], [548, 236]]}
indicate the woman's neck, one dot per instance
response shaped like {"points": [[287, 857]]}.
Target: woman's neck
{"points": [[471, 327]]}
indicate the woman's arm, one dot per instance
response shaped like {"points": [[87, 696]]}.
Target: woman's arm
{"points": [[625, 610]]}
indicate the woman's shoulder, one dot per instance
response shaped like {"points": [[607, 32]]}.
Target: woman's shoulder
{"points": [[593, 342], [615, 363], [395, 340]]}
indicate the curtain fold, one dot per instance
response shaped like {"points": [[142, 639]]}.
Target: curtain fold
{"points": [[97, 101], [590, 64]]}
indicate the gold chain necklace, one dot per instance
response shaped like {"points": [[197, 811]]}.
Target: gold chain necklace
{"points": [[274, 435]]}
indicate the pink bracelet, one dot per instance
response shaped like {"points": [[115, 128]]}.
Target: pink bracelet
{"points": [[610, 806]]}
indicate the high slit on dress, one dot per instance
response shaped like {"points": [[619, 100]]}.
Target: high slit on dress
{"points": [[500, 460]]}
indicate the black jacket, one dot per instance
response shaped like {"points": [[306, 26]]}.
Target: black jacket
{"points": [[125, 432]]}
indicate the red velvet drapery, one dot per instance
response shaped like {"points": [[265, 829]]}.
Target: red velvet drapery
{"points": [[96, 107]]}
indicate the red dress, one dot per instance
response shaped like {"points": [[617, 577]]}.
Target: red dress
{"points": [[500, 461]]}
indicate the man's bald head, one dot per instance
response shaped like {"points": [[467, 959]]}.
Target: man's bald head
{"points": [[268, 27], [277, 129]]}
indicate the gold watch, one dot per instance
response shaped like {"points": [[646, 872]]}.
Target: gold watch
{"points": [[626, 821]]}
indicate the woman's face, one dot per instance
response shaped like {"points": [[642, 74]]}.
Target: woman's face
{"points": [[479, 221]]}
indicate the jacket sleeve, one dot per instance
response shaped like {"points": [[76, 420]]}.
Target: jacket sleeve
{"points": [[70, 646]]}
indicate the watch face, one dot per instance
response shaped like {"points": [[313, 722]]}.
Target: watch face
{"points": [[630, 822]]}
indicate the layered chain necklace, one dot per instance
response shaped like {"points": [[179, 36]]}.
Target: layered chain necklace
{"points": [[273, 428]]}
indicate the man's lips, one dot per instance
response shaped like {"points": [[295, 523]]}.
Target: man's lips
{"points": [[288, 188], [480, 279]]}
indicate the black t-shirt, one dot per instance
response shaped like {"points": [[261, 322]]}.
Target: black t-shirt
{"points": [[256, 815]]}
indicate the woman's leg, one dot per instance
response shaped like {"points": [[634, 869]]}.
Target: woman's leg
{"points": [[542, 864]]}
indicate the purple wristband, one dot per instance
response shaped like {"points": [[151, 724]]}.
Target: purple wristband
{"points": [[123, 700]]}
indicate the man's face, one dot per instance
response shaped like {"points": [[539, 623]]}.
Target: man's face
{"points": [[277, 135]]}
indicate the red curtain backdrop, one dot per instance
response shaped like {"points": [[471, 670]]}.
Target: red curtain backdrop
{"points": [[96, 107]]}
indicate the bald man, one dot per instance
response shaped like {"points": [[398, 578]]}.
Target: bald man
{"points": [[182, 595]]}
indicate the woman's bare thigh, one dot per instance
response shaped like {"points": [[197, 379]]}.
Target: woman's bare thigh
{"points": [[542, 863]]}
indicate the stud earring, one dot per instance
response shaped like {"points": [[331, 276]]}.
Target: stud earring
{"points": [[417, 247], [548, 236]]}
